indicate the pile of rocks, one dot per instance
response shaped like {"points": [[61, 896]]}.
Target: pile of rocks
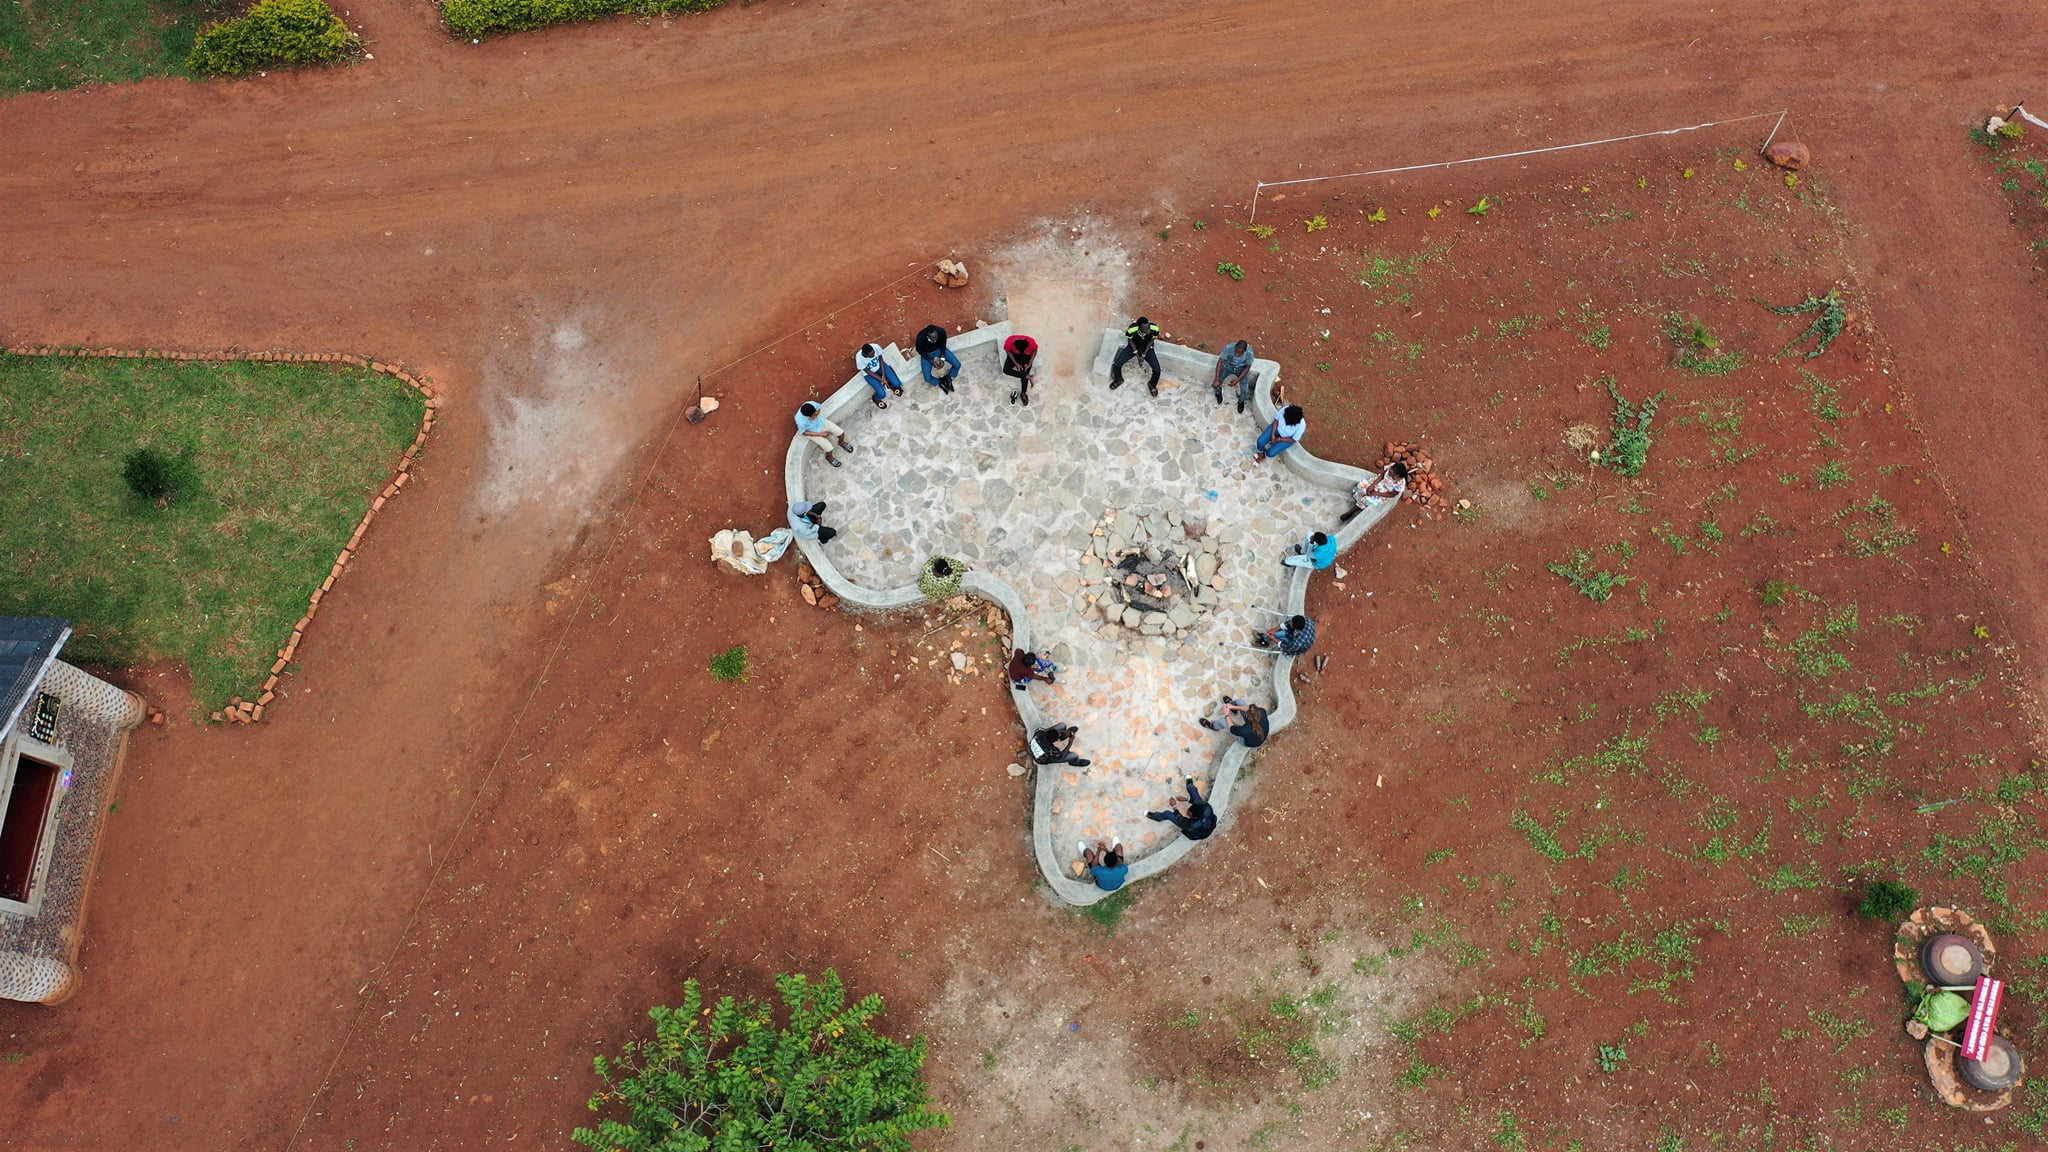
{"points": [[1425, 487], [813, 589], [1156, 574]]}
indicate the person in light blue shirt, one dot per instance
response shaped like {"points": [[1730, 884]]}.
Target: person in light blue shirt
{"points": [[821, 433], [805, 520], [1106, 864], [1319, 553]]}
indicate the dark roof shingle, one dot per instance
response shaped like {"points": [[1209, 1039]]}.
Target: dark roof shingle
{"points": [[26, 644]]}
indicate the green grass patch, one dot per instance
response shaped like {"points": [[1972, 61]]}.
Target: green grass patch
{"points": [[479, 18], [1108, 912], [46, 45], [287, 456]]}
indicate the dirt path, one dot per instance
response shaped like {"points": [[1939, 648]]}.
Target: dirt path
{"points": [[563, 227]]}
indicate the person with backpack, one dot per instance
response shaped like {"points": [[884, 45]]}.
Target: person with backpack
{"points": [[1138, 340], [1019, 352], [940, 367], [805, 520], [1055, 745]]}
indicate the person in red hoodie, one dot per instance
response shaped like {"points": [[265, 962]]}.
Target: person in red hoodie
{"points": [[1018, 353]]}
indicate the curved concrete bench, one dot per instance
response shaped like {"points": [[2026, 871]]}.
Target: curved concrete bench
{"points": [[1188, 364]]}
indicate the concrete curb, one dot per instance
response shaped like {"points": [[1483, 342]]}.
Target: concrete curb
{"points": [[239, 710], [1196, 369]]}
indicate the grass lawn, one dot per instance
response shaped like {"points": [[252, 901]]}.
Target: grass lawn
{"points": [[50, 44], [289, 455]]}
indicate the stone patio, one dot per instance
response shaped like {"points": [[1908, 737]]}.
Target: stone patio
{"points": [[1044, 497]]}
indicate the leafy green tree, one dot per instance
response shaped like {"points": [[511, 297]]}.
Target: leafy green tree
{"points": [[728, 1077]]}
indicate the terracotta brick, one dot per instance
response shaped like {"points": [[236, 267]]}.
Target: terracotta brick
{"points": [[402, 480], [377, 505], [266, 698], [317, 594], [270, 683], [279, 666], [219, 717], [327, 585], [256, 714]]}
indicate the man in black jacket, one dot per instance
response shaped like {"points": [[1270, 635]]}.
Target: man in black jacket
{"points": [[1137, 344], [1192, 816]]}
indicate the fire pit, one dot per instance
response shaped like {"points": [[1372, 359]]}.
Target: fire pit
{"points": [[1150, 581], [1158, 573]]}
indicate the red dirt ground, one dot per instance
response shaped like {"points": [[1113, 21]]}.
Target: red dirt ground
{"points": [[679, 195]]}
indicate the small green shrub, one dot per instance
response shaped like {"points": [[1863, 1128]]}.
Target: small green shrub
{"points": [[1771, 594], [272, 34], [160, 478], [1234, 271], [1594, 586], [1888, 900], [729, 1077], [479, 18], [730, 666], [1630, 449], [1611, 1057]]}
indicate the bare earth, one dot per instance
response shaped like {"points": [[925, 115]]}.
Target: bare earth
{"points": [[418, 877]]}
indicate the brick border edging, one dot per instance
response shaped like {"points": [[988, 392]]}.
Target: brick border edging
{"points": [[242, 711], [1194, 366]]}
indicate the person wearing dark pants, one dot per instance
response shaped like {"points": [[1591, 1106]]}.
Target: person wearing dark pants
{"points": [[940, 367], [1242, 719], [1138, 340], [1234, 371], [1055, 745], [805, 519], [1105, 864], [877, 373], [1018, 353], [1293, 638], [1193, 816]]}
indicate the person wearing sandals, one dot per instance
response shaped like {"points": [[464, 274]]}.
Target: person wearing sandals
{"points": [[876, 371], [821, 433], [1105, 863], [1018, 353], [940, 367], [1388, 485]]}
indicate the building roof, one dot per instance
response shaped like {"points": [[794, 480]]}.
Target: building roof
{"points": [[27, 645]]}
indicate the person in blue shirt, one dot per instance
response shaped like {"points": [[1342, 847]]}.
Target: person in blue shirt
{"points": [[1106, 864], [1319, 553], [1294, 638]]}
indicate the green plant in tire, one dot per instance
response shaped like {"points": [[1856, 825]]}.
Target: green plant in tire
{"points": [[272, 34], [731, 1076], [941, 578]]}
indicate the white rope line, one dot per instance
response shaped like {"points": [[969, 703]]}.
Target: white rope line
{"points": [[1265, 184]]}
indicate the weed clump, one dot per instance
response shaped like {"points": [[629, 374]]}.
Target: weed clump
{"points": [[1888, 900], [160, 478], [1630, 447], [1830, 316], [1696, 349], [730, 666], [1594, 586]]}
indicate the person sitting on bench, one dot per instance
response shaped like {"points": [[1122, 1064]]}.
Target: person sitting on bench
{"points": [[1055, 745], [1250, 726], [1193, 816]]}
